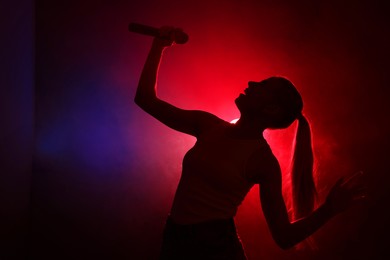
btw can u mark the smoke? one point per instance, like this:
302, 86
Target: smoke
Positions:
108, 171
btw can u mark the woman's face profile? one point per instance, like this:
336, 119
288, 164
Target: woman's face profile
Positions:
255, 97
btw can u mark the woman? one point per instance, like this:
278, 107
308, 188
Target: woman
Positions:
228, 159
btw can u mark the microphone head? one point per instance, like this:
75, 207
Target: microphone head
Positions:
180, 37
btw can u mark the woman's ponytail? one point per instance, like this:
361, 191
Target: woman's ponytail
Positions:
304, 192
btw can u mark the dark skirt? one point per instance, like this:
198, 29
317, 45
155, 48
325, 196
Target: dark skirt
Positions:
211, 240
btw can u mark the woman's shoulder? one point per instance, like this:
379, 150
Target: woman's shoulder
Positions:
210, 122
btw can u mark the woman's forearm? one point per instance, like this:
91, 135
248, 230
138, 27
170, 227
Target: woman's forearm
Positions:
146, 90
305, 227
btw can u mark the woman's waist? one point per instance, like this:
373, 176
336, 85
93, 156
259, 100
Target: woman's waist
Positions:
201, 225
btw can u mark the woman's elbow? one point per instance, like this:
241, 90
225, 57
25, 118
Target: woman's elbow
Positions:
141, 101
145, 99
285, 245
138, 100
284, 242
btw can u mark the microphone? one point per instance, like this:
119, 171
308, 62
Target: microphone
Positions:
178, 36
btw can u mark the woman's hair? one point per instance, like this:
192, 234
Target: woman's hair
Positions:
290, 104
304, 192
288, 100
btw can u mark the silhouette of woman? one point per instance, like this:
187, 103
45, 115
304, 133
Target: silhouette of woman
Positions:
227, 160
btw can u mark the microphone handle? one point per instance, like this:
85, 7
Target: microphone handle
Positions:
180, 37
144, 29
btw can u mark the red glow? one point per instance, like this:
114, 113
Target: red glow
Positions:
112, 159
234, 121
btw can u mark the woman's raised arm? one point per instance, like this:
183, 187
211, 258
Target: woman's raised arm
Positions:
186, 121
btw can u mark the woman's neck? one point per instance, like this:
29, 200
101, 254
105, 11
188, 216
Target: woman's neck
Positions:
245, 129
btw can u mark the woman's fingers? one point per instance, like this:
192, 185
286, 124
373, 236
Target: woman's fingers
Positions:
353, 178
339, 183
359, 193
355, 187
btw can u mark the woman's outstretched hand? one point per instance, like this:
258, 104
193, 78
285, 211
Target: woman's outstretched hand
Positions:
167, 36
346, 192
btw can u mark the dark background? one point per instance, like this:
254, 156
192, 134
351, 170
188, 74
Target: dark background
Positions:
85, 174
